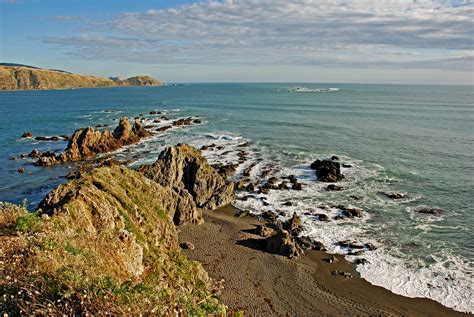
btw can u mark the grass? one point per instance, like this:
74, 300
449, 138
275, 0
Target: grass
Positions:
110, 249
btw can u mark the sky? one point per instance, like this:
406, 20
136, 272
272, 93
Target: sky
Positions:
332, 41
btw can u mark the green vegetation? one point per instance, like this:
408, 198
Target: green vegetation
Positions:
108, 246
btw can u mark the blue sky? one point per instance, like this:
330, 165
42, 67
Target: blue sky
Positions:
390, 41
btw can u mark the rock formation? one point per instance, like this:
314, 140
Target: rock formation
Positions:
103, 242
88, 142
117, 184
183, 168
28, 78
327, 170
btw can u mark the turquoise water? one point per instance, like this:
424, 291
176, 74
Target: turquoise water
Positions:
412, 139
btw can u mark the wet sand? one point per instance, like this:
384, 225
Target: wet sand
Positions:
263, 284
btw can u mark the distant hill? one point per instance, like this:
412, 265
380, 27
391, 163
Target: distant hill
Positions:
25, 77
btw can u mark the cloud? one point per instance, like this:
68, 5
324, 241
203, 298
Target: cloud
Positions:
330, 33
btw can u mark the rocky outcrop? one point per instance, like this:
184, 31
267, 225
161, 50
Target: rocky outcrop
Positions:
99, 242
283, 243
88, 142
29, 78
327, 170
117, 185
183, 168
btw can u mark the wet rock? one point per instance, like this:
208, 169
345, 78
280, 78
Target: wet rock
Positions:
327, 170
283, 185
292, 179
183, 121
353, 197
288, 204
246, 144
197, 121
162, 129
264, 190
334, 158
333, 188
269, 216
307, 243
183, 167
21, 170
34, 154
429, 210
227, 170
361, 261
272, 180
297, 186
345, 165
250, 187
350, 212
322, 217
27, 135
248, 170
157, 121
394, 195
241, 184
187, 246
283, 243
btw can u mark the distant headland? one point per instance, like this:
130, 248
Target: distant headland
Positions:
24, 77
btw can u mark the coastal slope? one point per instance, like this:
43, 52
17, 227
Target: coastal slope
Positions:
24, 77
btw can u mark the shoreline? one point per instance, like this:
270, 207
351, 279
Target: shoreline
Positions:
265, 284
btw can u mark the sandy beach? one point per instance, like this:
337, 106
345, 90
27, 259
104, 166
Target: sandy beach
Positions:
263, 284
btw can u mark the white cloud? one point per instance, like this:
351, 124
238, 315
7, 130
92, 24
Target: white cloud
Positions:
332, 33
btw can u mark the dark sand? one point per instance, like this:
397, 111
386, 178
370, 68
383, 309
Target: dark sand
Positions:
263, 284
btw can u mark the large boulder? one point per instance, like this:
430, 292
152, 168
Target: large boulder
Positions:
183, 167
283, 243
327, 170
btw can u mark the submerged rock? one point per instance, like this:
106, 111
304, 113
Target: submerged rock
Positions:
394, 195
27, 135
429, 210
327, 170
183, 168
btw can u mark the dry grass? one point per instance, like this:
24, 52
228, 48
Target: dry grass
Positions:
110, 251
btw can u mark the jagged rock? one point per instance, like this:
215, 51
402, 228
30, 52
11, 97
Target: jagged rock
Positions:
184, 168
183, 121
34, 154
394, 195
429, 210
27, 135
350, 212
119, 182
283, 243
297, 186
333, 187
327, 170
293, 225
307, 243
264, 231
227, 170
269, 216
86, 143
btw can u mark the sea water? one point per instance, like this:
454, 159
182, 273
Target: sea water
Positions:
416, 140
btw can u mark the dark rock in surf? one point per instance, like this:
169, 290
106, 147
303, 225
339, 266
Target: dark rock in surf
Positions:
327, 171
333, 188
27, 135
429, 210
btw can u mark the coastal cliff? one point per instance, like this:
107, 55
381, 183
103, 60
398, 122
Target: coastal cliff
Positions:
32, 78
103, 243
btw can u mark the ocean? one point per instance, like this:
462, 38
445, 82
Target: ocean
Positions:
411, 139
